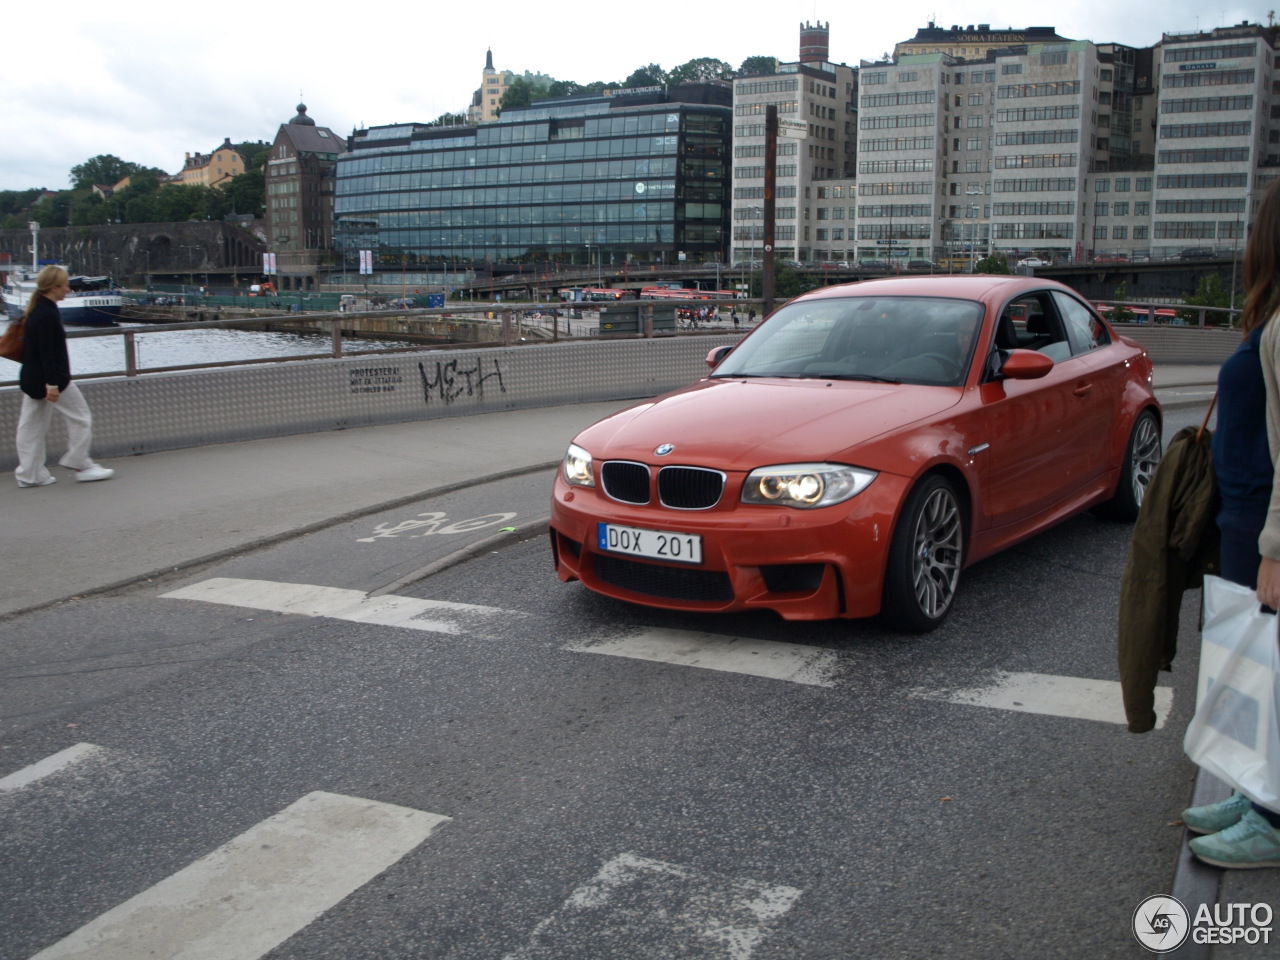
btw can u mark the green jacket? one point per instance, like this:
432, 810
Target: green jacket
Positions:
1175, 543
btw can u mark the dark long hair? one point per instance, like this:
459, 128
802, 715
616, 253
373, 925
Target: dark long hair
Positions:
1262, 263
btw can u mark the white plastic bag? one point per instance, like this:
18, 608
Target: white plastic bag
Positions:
1235, 734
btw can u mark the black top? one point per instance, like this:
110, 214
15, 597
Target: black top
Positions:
1241, 456
44, 351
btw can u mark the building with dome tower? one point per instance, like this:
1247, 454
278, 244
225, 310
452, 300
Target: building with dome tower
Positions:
486, 102
299, 210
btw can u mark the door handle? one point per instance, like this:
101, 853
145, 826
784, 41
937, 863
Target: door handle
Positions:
1083, 390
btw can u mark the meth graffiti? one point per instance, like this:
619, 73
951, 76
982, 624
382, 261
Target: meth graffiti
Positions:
452, 380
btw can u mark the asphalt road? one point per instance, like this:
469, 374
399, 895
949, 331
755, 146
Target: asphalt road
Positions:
853, 793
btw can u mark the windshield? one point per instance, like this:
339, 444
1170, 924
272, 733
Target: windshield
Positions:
927, 340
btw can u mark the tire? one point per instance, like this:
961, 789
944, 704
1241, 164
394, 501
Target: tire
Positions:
925, 558
1141, 458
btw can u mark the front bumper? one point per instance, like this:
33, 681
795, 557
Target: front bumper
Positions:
802, 564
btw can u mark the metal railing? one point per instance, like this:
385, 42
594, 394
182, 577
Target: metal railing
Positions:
514, 324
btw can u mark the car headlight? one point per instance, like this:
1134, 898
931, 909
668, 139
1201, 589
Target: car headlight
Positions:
577, 467
805, 484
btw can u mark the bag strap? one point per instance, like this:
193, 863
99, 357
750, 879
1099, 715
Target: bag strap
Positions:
1207, 414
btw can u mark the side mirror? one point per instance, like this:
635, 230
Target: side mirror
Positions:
716, 355
1025, 365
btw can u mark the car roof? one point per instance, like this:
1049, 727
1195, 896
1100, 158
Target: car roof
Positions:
970, 286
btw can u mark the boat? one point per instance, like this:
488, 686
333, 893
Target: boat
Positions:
92, 301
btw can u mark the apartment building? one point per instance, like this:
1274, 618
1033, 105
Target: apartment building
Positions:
814, 174
1216, 136
1066, 148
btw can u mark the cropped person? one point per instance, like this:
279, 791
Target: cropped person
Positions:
46, 385
1246, 446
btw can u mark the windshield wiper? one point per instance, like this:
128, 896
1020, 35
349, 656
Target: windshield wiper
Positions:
868, 377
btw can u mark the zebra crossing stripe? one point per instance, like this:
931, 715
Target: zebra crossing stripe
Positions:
1073, 697
48, 766
635, 908
435, 616
253, 893
795, 662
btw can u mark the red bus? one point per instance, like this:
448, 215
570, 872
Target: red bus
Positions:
673, 293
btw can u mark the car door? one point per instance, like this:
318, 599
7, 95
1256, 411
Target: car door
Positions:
1038, 452
1107, 377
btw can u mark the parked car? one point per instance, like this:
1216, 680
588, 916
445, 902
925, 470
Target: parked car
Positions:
1032, 262
1196, 253
853, 454
873, 264
926, 265
1111, 258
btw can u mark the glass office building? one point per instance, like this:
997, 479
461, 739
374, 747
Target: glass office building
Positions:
639, 176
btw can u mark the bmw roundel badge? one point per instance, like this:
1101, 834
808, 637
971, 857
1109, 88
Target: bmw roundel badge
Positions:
664, 449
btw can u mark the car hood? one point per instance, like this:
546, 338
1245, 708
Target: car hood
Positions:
741, 424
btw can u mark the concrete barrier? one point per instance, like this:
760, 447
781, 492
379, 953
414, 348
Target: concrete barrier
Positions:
166, 411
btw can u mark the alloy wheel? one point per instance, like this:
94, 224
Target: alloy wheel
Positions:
938, 547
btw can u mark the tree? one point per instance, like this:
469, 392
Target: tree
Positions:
563, 88
88, 209
1210, 292
700, 70
255, 153
102, 169
758, 66
247, 193
448, 120
53, 211
1119, 314
995, 263
519, 93
651, 76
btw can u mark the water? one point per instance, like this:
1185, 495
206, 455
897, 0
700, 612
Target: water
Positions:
174, 348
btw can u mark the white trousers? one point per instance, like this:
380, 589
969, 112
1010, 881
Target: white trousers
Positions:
33, 427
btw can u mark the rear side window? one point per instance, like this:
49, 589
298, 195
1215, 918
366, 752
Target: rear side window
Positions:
1084, 329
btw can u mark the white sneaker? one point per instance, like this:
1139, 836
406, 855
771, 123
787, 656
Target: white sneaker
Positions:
94, 472
39, 483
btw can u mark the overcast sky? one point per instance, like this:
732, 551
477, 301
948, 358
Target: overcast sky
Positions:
150, 81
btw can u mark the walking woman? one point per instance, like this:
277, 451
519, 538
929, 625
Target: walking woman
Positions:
46, 384
1246, 444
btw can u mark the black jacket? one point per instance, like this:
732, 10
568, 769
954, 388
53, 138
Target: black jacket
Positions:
44, 351
1175, 543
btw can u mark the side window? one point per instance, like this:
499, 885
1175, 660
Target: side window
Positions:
1035, 326
1084, 329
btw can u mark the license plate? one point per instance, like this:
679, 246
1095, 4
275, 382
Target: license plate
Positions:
654, 544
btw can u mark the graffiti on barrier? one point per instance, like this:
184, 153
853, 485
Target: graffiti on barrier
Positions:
452, 379
427, 524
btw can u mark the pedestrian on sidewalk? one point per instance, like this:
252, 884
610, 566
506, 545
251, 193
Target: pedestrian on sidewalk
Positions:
46, 385
1239, 832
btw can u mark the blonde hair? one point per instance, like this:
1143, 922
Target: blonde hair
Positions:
49, 277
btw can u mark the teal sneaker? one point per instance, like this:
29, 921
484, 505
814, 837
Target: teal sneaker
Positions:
1217, 816
1250, 844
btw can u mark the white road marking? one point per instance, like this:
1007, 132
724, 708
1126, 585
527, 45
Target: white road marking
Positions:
252, 894
49, 765
641, 908
1072, 697
758, 658
435, 616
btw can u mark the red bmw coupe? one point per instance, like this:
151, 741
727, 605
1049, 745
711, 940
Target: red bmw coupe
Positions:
859, 449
